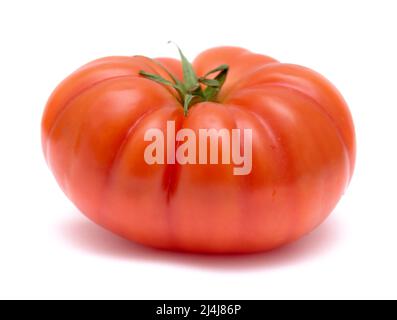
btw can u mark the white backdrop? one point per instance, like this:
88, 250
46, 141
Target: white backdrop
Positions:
49, 250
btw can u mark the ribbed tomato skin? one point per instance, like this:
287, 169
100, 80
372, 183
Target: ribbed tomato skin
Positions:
303, 152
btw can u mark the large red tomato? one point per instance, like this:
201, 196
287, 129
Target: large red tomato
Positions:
303, 149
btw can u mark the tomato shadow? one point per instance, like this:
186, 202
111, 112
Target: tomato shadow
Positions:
84, 235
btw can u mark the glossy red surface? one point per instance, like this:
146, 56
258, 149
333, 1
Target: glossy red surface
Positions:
303, 152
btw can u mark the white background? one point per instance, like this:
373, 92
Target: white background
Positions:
49, 250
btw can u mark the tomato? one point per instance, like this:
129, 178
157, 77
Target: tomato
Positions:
303, 149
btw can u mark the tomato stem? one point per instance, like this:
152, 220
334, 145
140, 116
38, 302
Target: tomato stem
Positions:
192, 89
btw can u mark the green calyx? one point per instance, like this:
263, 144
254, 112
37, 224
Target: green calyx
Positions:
192, 89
